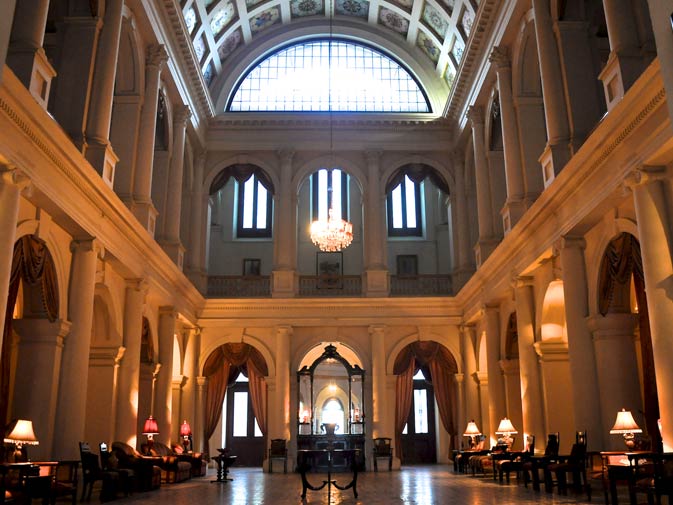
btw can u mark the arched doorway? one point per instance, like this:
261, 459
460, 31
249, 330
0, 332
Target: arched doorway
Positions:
434, 386
237, 390
621, 290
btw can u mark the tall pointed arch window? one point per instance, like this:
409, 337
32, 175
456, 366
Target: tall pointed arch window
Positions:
254, 209
329, 190
329, 75
404, 209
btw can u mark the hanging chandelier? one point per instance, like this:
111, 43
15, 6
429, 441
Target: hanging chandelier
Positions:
332, 234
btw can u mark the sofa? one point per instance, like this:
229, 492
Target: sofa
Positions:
198, 460
147, 469
173, 467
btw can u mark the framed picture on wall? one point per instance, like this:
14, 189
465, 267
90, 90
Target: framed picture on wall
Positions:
252, 267
329, 269
407, 265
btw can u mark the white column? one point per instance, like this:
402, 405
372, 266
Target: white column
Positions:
25, 56
129, 372
143, 208
163, 397
284, 274
71, 411
583, 377
529, 371
40, 350
487, 240
99, 151
377, 334
557, 153
283, 336
377, 281
510, 371
464, 269
459, 414
472, 408
481, 379
171, 236
616, 369
199, 420
515, 205
6, 18
11, 182
653, 213
190, 370
497, 405
195, 252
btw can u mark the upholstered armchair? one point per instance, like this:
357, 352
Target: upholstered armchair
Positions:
198, 460
146, 468
173, 468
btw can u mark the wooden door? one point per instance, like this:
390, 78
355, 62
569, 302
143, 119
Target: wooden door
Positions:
243, 437
419, 439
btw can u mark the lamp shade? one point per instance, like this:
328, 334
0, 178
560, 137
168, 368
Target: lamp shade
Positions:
471, 429
151, 427
625, 423
506, 427
22, 433
185, 429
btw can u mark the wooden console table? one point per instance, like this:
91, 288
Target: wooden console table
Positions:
306, 459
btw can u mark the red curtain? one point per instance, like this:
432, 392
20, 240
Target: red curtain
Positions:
222, 367
32, 262
404, 388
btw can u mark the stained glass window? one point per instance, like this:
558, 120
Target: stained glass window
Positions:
321, 75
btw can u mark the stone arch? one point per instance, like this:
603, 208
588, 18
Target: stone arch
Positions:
310, 351
105, 330
553, 321
304, 171
129, 79
493, 123
443, 170
218, 165
511, 338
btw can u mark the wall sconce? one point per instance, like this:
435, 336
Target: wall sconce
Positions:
185, 433
506, 429
472, 432
150, 429
20, 434
626, 425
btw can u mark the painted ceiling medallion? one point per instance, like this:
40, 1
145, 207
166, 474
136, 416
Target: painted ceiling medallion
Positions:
393, 21
404, 4
222, 18
264, 19
230, 44
426, 43
435, 20
359, 8
300, 8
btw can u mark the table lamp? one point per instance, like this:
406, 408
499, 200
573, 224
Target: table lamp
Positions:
506, 429
626, 425
185, 433
472, 432
150, 429
20, 434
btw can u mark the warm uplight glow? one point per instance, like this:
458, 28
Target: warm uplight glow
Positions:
553, 313
332, 388
333, 234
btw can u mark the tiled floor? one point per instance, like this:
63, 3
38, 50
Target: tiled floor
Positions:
422, 485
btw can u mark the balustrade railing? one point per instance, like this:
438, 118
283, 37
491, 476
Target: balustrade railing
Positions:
330, 285
420, 285
239, 286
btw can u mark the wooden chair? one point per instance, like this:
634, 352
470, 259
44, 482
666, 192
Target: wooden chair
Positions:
574, 463
278, 450
65, 481
515, 460
537, 463
92, 472
382, 449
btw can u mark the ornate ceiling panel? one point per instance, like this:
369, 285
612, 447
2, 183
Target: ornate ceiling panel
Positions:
436, 30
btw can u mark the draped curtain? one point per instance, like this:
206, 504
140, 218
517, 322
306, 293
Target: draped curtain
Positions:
442, 367
241, 172
222, 368
417, 172
33, 263
621, 260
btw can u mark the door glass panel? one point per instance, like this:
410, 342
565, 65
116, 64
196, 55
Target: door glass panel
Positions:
258, 432
240, 414
420, 411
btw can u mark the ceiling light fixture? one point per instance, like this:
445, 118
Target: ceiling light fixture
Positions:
331, 233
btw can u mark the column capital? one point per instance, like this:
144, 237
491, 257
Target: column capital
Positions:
509, 366
500, 58
647, 174
377, 328
285, 329
489, 308
201, 381
475, 114
522, 281
481, 378
120, 355
87, 245
156, 55
139, 284
373, 156
168, 310
9, 174
285, 155
459, 377
569, 242
181, 115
